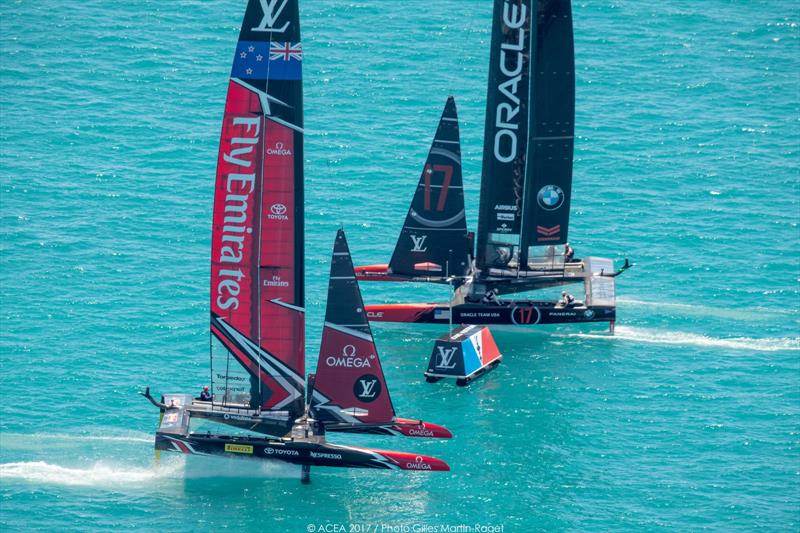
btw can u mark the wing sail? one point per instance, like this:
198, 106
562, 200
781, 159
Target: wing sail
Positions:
548, 189
434, 236
528, 140
505, 144
257, 289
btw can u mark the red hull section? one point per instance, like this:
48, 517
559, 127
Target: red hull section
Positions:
399, 312
410, 461
418, 428
376, 273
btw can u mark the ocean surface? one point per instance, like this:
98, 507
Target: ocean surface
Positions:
688, 124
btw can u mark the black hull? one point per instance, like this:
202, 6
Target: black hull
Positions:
517, 313
302, 453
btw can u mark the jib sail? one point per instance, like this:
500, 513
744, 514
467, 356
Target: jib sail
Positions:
433, 240
350, 386
527, 158
257, 239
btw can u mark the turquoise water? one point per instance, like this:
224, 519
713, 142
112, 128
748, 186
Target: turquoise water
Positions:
686, 162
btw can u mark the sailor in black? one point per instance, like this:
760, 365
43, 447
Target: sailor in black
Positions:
205, 396
569, 253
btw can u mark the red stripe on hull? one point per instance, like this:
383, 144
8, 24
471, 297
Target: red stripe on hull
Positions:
418, 428
397, 312
375, 273
410, 461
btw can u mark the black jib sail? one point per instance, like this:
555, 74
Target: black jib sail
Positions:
433, 240
527, 157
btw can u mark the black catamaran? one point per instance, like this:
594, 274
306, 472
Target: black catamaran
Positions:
526, 188
257, 289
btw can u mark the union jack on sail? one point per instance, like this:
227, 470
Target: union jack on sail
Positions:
285, 51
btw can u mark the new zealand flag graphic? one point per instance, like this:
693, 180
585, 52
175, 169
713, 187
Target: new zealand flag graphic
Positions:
256, 60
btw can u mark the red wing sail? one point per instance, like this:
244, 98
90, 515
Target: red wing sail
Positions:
350, 386
257, 240
434, 234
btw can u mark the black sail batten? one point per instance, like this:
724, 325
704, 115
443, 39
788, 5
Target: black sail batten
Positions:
548, 186
505, 143
434, 240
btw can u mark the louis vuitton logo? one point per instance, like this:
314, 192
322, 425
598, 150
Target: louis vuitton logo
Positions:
272, 11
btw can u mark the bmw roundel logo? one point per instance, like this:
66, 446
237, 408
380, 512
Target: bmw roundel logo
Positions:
550, 197
589, 313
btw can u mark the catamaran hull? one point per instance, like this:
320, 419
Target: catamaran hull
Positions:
502, 281
401, 426
297, 452
277, 426
519, 313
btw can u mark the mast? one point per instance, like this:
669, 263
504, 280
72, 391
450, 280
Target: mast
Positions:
505, 142
548, 183
257, 285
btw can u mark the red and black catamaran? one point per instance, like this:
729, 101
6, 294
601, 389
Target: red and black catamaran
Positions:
257, 296
526, 188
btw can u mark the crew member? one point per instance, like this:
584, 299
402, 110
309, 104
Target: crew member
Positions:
569, 253
490, 298
205, 395
567, 300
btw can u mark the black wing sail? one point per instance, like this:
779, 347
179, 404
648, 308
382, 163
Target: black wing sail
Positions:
433, 240
548, 184
505, 144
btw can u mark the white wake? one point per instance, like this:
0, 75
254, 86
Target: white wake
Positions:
98, 475
30, 441
749, 314
654, 336
103, 474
